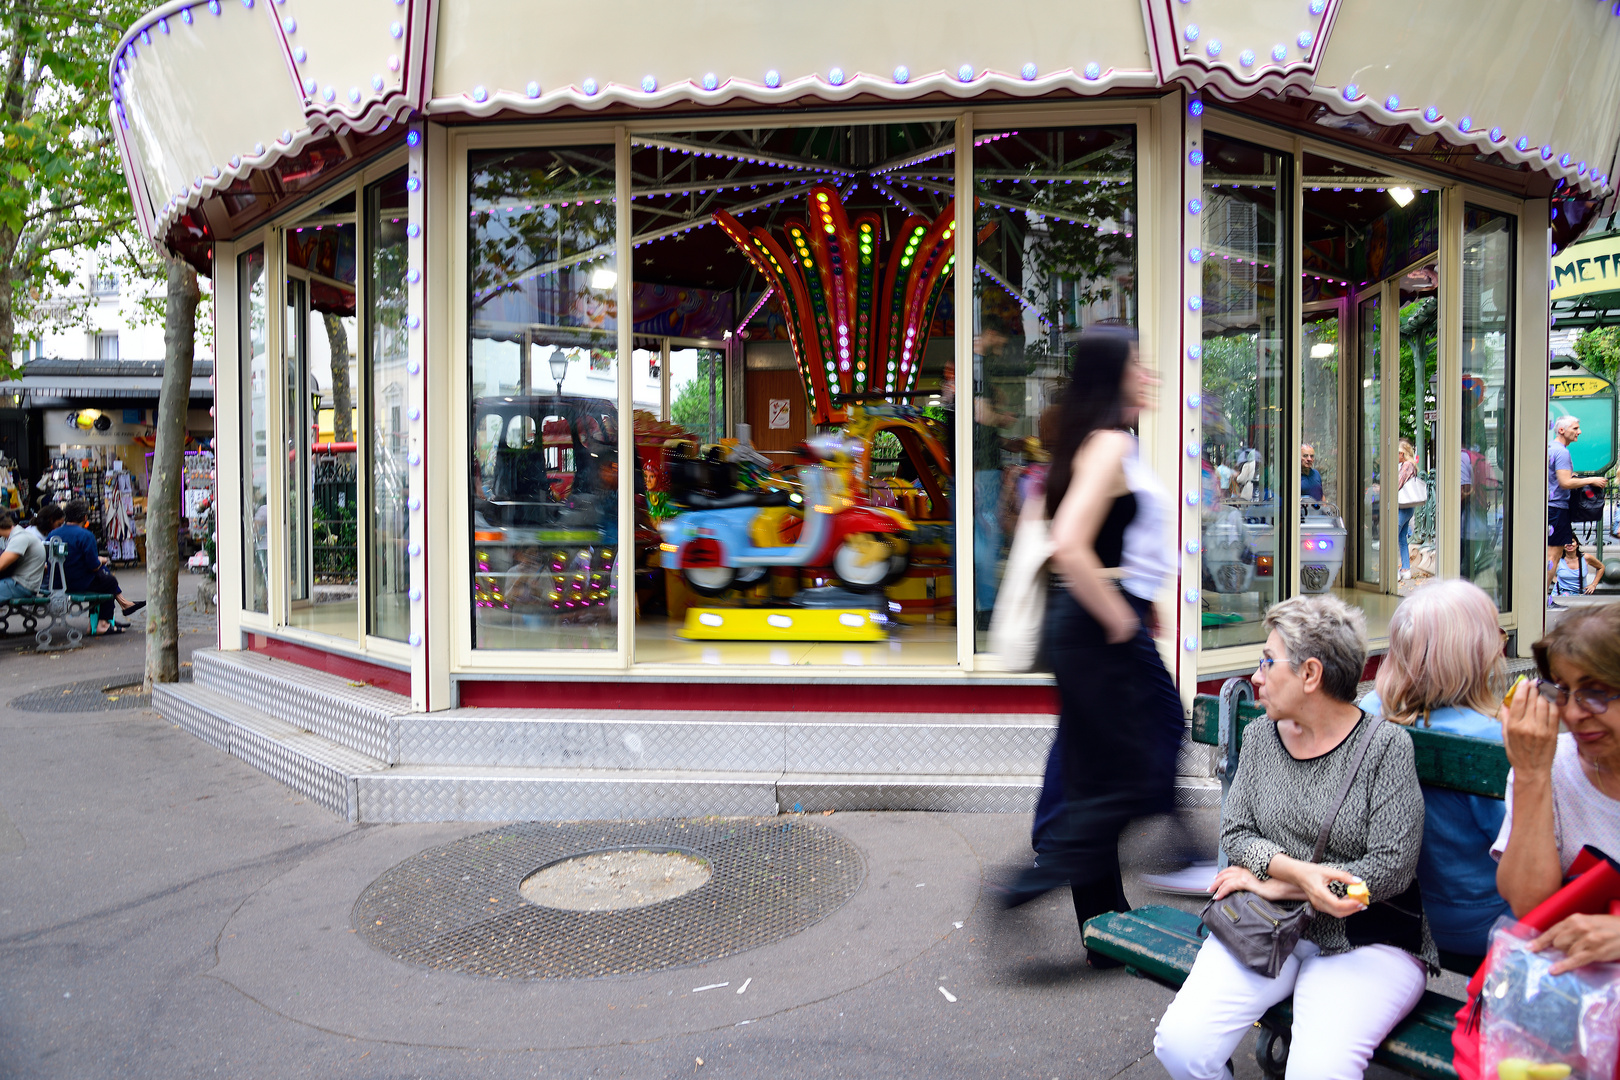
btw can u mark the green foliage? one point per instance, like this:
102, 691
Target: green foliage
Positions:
61, 183
690, 408
1598, 350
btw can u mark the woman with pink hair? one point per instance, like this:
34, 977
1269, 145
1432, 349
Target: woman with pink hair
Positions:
1444, 670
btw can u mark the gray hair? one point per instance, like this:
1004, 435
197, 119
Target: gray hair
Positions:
1326, 629
1564, 422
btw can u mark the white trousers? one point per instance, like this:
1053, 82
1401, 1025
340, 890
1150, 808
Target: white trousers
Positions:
1344, 1006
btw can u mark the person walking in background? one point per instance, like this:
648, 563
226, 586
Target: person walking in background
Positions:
1403, 537
1445, 671
1120, 722
1357, 969
1567, 576
85, 566
1561, 480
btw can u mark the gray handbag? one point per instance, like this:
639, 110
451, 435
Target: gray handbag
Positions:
1259, 933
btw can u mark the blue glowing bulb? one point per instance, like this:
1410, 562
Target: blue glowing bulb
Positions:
1195, 157
412, 138
533, 89
1193, 401
1093, 70
589, 86
902, 74
1305, 38
1431, 114
773, 78
1213, 48
1195, 108
649, 83
965, 73
1028, 72
1195, 256
1189, 643
1351, 92
710, 81
1246, 58
1279, 53
1392, 103
836, 76
1194, 352
480, 94
1195, 206
1191, 32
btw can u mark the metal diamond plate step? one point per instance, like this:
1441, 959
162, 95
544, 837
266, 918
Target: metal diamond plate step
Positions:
461, 794
317, 767
353, 714
953, 794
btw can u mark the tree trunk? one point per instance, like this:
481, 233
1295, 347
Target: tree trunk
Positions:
337, 340
168, 476
8, 306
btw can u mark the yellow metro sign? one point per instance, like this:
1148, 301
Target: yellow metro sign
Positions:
1564, 386
1590, 267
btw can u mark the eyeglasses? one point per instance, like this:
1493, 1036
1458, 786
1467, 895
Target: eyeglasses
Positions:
1266, 662
1593, 701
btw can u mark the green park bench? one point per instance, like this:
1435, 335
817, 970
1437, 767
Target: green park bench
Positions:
56, 602
1160, 942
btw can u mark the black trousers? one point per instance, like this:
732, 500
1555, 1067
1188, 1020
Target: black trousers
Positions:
1119, 732
104, 582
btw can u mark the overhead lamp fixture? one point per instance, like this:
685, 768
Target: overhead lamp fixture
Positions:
1323, 349
1401, 195
604, 278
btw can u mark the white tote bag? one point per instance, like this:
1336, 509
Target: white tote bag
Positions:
1015, 627
1412, 493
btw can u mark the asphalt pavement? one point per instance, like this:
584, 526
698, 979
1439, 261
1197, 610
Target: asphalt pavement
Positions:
167, 911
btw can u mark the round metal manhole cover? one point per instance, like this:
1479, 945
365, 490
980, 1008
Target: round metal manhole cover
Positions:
461, 907
92, 695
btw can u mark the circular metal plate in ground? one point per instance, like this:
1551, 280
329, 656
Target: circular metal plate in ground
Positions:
92, 695
615, 880
459, 907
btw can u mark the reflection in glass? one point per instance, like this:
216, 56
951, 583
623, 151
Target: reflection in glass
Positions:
543, 369
1245, 358
1369, 549
322, 371
1487, 418
697, 392
1419, 291
1055, 253
389, 573
252, 287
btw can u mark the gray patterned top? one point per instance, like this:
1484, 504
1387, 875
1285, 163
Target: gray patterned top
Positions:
1277, 804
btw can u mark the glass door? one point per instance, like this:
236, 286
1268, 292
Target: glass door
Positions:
1369, 427
295, 423
1419, 336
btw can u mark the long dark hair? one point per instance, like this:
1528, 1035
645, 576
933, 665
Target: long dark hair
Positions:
1092, 402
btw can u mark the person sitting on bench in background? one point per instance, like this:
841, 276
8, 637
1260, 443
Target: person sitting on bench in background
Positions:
85, 566
1357, 970
1445, 671
1564, 790
22, 563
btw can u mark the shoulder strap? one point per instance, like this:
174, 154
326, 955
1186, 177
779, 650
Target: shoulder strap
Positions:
1344, 788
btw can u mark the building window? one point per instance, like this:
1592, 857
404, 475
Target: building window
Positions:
543, 374
104, 285
107, 346
1055, 252
1487, 402
389, 573
253, 297
1245, 365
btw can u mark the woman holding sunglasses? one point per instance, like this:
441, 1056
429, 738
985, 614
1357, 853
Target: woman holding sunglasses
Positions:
1564, 790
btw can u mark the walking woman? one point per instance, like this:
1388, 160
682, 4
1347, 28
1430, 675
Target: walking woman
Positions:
1120, 725
1408, 469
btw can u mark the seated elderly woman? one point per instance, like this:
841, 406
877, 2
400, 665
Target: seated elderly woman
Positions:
1445, 671
1358, 969
1564, 790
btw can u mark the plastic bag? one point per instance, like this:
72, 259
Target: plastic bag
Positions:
1536, 1022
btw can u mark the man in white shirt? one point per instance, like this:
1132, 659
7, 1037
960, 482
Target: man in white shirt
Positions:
22, 563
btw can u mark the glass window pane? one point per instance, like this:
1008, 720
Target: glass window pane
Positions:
322, 373
1369, 552
544, 389
1055, 253
1487, 416
697, 392
389, 572
1244, 363
252, 288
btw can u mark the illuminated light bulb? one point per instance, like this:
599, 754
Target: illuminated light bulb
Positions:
1191, 32
773, 78
1194, 206
1189, 643
1192, 401
902, 74
589, 86
1351, 92
1213, 48
1304, 40
1195, 108
1192, 498
1195, 256
532, 90
1496, 134
965, 73
1028, 72
1093, 71
1194, 352
1192, 547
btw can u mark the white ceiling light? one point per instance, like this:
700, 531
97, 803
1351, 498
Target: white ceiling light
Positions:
1401, 195
1323, 349
604, 278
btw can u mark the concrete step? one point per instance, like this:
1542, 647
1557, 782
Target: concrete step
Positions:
311, 764
352, 714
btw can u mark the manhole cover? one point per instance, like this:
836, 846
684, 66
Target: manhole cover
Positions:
461, 907
615, 880
92, 695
